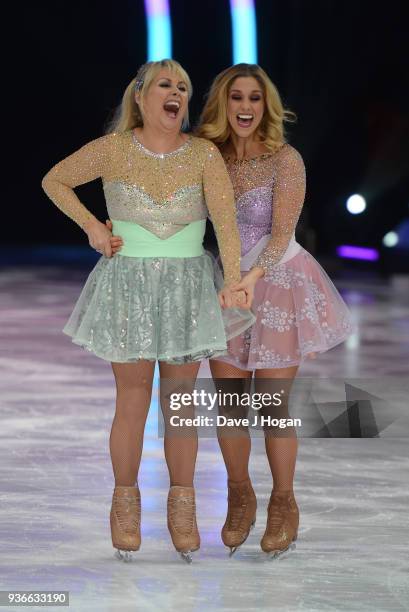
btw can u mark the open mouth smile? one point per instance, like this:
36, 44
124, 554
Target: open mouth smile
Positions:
171, 108
245, 120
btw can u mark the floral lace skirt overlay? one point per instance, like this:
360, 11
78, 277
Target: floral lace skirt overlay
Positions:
299, 313
135, 308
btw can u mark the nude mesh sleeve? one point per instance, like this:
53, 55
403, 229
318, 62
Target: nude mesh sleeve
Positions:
288, 200
82, 166
219, 196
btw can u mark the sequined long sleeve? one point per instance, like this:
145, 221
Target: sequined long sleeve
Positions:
219, 196
288, 199
83, 166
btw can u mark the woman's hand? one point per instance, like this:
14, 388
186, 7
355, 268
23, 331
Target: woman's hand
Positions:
225, 298
246, 287
99, 236
230, 299
240, 299
116, 241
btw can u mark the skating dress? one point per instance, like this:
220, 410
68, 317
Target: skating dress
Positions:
157, 297
299, 311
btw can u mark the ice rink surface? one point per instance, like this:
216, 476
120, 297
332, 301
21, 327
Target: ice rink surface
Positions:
57, 406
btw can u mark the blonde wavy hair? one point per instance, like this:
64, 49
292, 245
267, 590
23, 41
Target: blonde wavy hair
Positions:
213, 123
129, 114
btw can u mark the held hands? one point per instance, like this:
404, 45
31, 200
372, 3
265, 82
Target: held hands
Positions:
240, 295
230, 299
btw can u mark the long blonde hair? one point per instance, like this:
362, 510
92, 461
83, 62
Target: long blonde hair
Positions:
213, 122
129, 114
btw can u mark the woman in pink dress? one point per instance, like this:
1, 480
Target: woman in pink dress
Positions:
299, 311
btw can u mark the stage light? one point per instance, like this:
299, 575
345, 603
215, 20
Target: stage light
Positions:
390, 239
355, 252
356, 204
243, 19
159, 29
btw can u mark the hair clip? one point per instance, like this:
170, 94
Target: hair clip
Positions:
138, 84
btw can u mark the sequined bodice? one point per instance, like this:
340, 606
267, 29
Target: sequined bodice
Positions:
269, 192
162, 218
254, 216
156, 193
161, 192
253, 181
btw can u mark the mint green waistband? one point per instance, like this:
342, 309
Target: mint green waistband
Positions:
140, 242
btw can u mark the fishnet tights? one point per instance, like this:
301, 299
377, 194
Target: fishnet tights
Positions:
235, 443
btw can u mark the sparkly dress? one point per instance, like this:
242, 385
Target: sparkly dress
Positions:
299, 311
163, 308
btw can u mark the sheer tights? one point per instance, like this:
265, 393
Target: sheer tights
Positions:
134, 392
281, 444
180, 442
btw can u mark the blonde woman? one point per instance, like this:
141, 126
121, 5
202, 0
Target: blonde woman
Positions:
299, 311
152, 294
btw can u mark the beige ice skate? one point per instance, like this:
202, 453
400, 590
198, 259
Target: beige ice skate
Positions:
282, 524
241, 514
182, 521
125, 519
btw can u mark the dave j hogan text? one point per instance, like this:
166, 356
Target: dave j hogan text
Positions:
222, 421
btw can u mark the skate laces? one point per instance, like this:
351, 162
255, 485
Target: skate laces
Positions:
128, 513
182, 513
237, 505
277, 512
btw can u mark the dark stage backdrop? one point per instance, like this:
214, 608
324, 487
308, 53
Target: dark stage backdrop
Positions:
341, 66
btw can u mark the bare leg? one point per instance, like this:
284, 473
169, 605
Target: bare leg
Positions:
180, 443
134, 391
281, 444
235, 442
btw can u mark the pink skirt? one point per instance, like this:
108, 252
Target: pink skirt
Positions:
299, 314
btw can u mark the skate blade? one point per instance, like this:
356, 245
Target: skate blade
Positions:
233, 549
124, 555
186, 556
279, 554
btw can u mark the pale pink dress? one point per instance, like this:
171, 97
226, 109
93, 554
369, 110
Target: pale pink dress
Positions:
299, 311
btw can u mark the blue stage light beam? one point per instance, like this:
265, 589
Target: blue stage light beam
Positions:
243, 19
159, 29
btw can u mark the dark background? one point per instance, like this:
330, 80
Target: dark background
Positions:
342, 67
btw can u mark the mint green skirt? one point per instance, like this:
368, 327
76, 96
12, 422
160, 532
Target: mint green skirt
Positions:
155, 308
